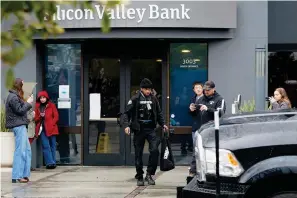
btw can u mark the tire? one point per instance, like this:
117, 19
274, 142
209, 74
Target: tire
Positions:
285, 195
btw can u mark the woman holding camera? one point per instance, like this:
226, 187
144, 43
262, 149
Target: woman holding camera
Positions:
16, 119
280, 100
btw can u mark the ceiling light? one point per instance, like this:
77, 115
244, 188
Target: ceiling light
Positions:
185, 51
159, 60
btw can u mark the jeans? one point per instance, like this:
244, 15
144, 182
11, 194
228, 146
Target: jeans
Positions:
22, 154
48, 148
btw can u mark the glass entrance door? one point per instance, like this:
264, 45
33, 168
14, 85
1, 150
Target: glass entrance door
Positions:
114, 69
140, 68
104, 139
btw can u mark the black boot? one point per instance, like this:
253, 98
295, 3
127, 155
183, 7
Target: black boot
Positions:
149, 179
140, 181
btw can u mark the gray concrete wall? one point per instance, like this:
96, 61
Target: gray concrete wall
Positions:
28, 71
282, 22
232, 62
25, 69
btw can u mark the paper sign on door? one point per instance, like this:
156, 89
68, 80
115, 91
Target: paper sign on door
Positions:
63, 91
95, 106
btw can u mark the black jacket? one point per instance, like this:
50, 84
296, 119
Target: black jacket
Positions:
16, 110
195, 123
131, 113
212, 102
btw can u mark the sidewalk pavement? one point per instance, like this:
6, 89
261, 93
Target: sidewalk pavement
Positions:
92, 182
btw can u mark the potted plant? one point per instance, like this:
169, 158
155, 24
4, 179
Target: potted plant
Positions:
248, 106
7, 142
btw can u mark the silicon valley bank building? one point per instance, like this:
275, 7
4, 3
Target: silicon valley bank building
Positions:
173, 43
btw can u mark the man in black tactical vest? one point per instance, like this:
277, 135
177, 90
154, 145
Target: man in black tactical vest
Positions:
142, 114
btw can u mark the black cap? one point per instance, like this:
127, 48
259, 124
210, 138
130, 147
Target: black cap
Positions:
209, 85
146, 83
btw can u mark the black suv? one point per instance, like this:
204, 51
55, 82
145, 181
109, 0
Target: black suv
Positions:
258, 157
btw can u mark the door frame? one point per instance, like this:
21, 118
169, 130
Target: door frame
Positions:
124, 157
130, 157
102, 159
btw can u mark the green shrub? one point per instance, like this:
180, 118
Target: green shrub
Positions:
3, 121
248, 106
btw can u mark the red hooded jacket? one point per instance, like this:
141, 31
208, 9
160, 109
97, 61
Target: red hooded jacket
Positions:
51, 116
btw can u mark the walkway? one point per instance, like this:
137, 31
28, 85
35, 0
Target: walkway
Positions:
91, 182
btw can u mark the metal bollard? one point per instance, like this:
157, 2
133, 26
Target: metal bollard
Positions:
217, 127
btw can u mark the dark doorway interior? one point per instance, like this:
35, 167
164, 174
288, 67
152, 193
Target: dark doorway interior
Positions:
282, 70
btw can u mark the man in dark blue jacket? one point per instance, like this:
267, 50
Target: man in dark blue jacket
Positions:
198, 92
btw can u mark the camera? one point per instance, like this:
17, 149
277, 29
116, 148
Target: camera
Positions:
267, 98
198, 106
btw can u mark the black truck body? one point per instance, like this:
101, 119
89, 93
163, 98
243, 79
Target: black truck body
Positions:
258, 157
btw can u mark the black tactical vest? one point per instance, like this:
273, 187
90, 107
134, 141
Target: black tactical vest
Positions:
145, 109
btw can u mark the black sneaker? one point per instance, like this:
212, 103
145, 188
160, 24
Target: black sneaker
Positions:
51, 166
140, 181
149, 180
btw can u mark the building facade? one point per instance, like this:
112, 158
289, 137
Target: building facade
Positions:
226, 42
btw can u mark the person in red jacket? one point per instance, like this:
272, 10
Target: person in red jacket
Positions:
46, 120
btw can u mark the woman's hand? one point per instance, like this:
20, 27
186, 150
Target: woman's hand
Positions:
272, 100
30, 99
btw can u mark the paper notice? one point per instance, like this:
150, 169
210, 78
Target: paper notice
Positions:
63, 91
64, 103
95, 106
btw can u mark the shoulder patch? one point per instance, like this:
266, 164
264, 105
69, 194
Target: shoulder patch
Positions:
130, 102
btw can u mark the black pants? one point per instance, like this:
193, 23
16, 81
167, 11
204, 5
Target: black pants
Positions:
150, 135
187, 138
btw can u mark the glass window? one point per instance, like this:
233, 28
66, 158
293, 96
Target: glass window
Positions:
282, 70
104, 79
188, 63
63, 67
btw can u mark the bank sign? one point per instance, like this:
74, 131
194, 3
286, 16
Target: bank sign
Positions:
122, 12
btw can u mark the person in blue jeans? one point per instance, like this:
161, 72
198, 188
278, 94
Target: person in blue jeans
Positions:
46, 119
16, 108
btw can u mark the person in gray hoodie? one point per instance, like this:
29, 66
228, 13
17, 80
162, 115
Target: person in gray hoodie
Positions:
16, 109
280, 100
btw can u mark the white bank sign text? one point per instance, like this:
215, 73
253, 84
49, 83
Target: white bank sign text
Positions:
153, 12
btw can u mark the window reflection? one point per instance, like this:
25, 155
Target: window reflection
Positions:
104, 79
63, 67
188, 63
